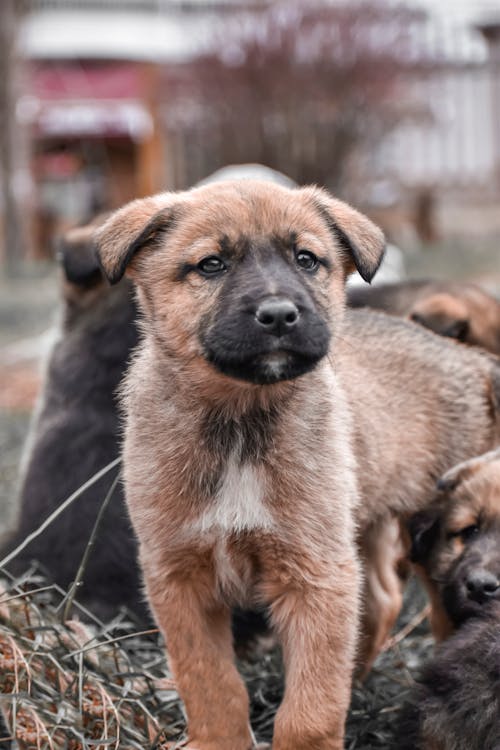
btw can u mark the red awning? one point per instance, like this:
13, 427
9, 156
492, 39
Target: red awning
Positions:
87, 100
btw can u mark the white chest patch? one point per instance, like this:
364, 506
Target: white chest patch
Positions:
239, 503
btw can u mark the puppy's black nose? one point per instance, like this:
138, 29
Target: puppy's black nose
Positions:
482, 585
277, 315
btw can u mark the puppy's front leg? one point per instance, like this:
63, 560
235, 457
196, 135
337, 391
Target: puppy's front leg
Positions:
197, 629
316, 618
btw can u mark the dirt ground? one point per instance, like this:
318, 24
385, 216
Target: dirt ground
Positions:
28, 312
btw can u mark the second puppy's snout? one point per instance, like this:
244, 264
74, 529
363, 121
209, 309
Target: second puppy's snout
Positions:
277, 315
482, 585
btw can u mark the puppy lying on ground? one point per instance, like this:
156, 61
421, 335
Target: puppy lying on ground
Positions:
75, 434
263, 426
457, 703
450, 308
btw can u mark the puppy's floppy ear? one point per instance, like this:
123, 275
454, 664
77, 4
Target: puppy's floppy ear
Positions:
465, 470
423, 528
131, 229
76, 254
443, 314
359, 237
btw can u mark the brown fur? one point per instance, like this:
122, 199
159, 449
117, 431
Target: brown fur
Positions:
248, 493
450, 308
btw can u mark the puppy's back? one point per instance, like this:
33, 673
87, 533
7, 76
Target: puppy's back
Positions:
395, 298
421, 404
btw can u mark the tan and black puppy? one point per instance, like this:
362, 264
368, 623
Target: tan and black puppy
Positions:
454, 309
456, 703
265, 430
456, 543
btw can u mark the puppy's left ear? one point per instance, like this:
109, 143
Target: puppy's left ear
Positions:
362, 240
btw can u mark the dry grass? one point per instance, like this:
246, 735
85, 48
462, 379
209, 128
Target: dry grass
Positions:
74, 685
79, 685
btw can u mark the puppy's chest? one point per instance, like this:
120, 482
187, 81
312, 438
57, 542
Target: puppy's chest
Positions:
238, 509
238, 503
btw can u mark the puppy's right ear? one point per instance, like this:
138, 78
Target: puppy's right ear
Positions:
423, 528
130, 229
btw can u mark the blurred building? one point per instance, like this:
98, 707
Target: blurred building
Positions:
96, 103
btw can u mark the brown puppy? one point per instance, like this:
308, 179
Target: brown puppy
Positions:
251, 402
450, 308
456, 543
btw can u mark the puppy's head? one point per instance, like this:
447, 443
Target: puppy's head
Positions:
458, 542
461, 311
444, 314
244, 276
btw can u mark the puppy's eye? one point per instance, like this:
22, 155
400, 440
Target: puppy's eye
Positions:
306, 260
469, 532
466, 533
212, 265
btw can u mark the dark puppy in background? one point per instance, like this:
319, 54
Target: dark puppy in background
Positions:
454, 309
456, 705
75, 433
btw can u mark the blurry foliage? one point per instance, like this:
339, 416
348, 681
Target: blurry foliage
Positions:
300, 87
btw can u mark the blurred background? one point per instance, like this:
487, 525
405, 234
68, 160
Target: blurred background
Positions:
393, 106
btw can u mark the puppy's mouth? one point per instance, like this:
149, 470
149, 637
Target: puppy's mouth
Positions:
264, 368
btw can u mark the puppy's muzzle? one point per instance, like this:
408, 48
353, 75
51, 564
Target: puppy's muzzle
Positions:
482, 586
277, 315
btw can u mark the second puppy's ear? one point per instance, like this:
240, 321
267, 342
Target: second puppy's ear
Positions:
76, 254
423, 528
131, 229
362, 240
465, 470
